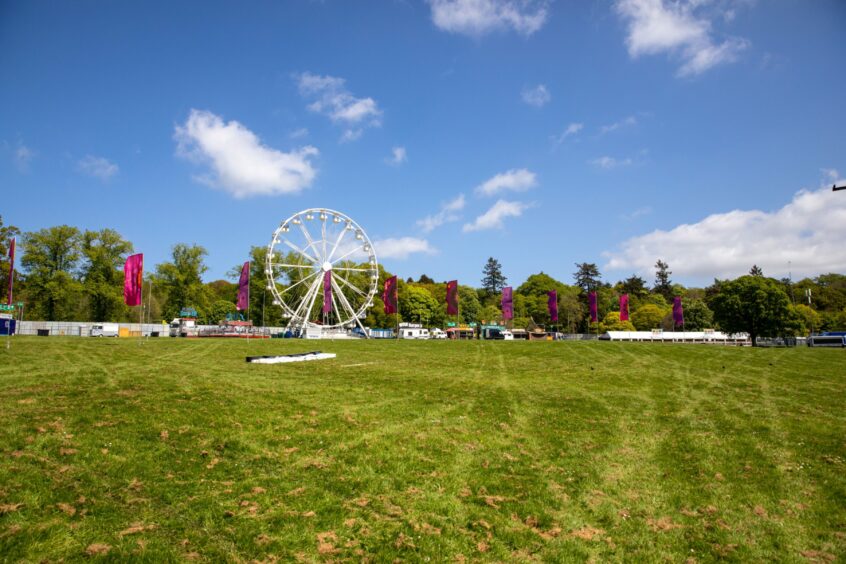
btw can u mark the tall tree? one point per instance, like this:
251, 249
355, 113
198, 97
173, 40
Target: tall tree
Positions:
104, 253
417, 304
182, 279
756, 271
51, 261
663, 284
754, 305
493, 280
634, 286
587, 276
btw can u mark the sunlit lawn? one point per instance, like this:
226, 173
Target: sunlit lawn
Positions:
176, 449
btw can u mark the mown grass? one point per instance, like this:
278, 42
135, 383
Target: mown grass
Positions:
434, 451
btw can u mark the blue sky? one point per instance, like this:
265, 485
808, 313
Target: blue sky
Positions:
541, 133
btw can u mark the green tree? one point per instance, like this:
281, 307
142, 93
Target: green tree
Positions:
51, 262
663, 285
417, 305
611, 322
182, 280
587, 276
811, 320
648, 317
634, 286
754, 305
469, 306
104, 253
697, 315
216, 312
493, 280
756, 271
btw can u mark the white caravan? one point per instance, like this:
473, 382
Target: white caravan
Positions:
104, 330
413, 331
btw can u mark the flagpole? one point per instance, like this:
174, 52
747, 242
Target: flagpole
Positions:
249, 276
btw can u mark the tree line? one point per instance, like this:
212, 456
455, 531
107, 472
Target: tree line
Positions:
68, 274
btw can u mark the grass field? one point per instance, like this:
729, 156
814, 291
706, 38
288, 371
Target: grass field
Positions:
436, 451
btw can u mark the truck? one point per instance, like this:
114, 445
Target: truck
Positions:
182, 327
105, 330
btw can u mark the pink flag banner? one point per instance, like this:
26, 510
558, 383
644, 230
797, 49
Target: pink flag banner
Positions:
389, 295
594, 317
327, 291
244, 288
507, 303
678, 311
552, 304
133, 274
11, 269
452, 297
624, 307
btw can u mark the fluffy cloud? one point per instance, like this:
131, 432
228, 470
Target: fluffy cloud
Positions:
538, 96
478, 17
607, 162
98, 167
515, 180
627, 122
402, 247
332, 99
448, 213
493, 218
572, 129
808, 232
656, 26
398, 156
240, 163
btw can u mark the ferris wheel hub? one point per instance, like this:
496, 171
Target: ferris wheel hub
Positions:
327, 266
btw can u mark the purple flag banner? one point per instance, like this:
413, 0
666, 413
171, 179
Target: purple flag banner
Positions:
507, 303
133, 273
452, 297
624, 307
11, 269
389, 295
594, 317
552, 304
327, 291
244, 288
678, 311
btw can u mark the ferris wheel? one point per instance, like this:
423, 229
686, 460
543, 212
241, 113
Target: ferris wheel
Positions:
321, 269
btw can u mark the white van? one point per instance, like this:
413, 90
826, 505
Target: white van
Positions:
438, 333
104, 330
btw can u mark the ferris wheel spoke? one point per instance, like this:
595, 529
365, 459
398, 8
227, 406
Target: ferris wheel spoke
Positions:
300, 281
323, 233
302, 252
311, 290
353, 288
337, 242
344, 300
282, 265
335, 309
313, 300
305, 231
356, 249
352, 269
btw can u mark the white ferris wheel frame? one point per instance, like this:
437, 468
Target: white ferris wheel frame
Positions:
299, 314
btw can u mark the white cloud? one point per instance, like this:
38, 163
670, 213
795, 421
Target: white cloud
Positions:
100, 167
23, 156
332, 99
607, 162
447, 214
638, 212
478, 17
808, 233
657, 26
299, 133
402, 247
240, 163
571, 129
515, 180
398, 156
493, 218
538, 96
626, 122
